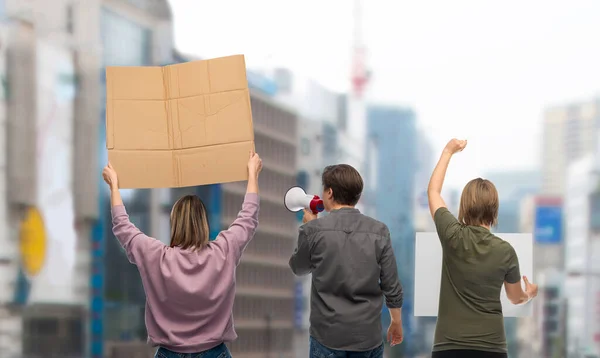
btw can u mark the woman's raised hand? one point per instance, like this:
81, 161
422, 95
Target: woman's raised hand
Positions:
455, 145
110, 177
254, 165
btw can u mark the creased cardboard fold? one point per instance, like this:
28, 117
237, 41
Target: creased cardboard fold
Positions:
179, 125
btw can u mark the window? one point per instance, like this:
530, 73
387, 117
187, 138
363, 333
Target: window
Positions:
57, 334
305, 146
550, 311
552, 293
551, 326
70, 18
302, 179
125, 42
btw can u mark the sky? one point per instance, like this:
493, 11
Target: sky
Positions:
477, 70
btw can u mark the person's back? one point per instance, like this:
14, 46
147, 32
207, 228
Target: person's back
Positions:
476, 264
190, 283
353, 268
189, 293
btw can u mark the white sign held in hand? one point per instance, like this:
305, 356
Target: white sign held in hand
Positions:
428, 273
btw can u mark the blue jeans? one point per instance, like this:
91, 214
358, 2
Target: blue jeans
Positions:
317, 350
219, 351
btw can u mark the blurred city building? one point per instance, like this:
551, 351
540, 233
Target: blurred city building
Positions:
569, 157
423, 222
569, 133
317, 147
53, 61
582, 268
104, 296
353, 126
543, 334
265, 298
395, 133
425, 164
512, 186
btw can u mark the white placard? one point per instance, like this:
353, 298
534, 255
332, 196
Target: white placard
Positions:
428, 273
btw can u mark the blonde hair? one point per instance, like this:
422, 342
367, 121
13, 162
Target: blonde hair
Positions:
189, 223
479, 203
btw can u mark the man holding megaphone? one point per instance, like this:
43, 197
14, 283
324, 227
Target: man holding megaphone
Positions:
353, 268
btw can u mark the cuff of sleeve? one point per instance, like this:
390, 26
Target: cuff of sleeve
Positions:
394, 304
252, 198
511, 280
118, 210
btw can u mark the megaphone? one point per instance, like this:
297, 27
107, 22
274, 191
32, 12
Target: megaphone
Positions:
296, 199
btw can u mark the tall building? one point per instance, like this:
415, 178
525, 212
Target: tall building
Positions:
543, 334
512, 186
569, 133
425, 164
84, 272
423, 221
264, 305
394, 131
132, 34
317, 147
54, 63
353, 132
570, 136
582, 247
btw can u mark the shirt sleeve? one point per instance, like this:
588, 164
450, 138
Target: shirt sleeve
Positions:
446, 224
243, 228
136, 244
390, 283
300, 262
513, 271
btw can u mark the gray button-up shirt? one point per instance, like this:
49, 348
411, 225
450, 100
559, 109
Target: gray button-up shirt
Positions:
353, 268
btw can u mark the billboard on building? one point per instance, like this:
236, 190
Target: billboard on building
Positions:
548, 221
48, 235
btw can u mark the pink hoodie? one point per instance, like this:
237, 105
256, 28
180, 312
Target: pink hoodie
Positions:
189, 294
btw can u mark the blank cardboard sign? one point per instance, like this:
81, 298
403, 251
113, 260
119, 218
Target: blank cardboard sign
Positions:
179, 125
428, 273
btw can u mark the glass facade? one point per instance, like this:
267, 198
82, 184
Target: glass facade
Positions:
396, 133
117, 294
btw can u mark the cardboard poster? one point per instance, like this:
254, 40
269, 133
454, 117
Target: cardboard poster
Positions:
179, 125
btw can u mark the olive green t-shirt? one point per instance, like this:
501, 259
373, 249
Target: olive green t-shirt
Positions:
475, 265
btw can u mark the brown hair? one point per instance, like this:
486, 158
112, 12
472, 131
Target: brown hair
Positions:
479, 203
345, 182
189, 223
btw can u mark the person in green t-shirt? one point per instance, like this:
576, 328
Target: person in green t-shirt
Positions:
476, 264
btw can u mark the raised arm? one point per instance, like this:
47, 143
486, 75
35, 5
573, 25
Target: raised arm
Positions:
244, 226
135, 242
434, 190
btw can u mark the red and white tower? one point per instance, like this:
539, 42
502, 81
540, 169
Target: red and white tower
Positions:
360, 72
356, 125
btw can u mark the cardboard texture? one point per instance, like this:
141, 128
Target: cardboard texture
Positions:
179, 125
